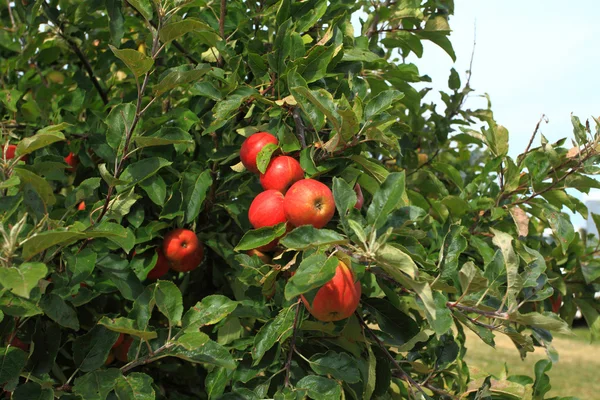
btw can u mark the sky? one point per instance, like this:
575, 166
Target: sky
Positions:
532, 57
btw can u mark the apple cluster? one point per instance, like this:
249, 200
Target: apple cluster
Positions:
291, 199
181, 251
287, 197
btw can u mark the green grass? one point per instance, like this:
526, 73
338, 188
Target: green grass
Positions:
575, 374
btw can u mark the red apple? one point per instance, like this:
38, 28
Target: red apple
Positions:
119, 341
73, 161
160, 268
121, 351
360, 199
556, 303
267, 210
262, 256
281, 173
252, 146
81, 206
109, 359
309, 202
183, 250
10, 153
18, 343
338, 298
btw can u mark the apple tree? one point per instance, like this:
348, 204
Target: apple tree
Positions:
344, 255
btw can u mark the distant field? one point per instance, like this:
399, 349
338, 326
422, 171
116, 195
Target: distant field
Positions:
576, 373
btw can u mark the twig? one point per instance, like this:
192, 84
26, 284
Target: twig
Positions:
300, 128
12, 19
146, 359
535, 131
373, 27
288, 363
404, 375
222, 13
490, 314
429, 161
439, 391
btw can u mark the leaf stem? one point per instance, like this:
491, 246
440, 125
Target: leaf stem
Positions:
288, 363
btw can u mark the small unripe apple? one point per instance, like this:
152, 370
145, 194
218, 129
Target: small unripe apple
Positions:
160, 268
309, 202
282, 172
73, 162
262, 256
81, 206
121, 351
267, 210
423, 158
338, 298
360, 199
119, 341
252, 146
183, 250
56, 77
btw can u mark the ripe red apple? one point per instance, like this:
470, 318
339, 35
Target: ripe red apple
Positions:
73, 161
338, 298
160, 268
267, 210
556, 303
360, 199
252, 146
121, 351
281, 173
183, 250
309, 202
18, 343
109, 359
119, 341
81, 206
10, 153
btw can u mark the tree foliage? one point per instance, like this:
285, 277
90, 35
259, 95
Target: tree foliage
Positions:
154, 98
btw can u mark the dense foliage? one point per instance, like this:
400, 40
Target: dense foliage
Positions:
150, 101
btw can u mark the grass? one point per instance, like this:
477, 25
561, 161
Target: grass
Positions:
575, 374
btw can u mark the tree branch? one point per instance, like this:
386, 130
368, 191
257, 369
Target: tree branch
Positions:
490, 314
300, 128
222, 13
288, 363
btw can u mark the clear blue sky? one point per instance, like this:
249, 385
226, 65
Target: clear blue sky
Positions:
532, 57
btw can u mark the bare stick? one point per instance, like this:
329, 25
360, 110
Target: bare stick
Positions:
288, 363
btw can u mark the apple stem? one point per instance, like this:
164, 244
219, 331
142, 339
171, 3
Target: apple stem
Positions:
403, 374
288, 363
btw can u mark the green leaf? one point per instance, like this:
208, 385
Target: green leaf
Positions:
320, 388
562, 228
392, 257
356, 54
23, 279
143, 6
275, 331
375, 170
371, 381
340, 366
381, 102
59, 311
308, 236
97, 384
116, 20
32, 390
156, 189
137, 62
313, 272
178, 78
175, 30
344, 196
314, 66
116, 233
109, 178
453, 246
471, 279
322, 100
282, 46
143, 169
308, 13
208, 353
440, 38
542, 381
12, 361
135, 386
166, 136
592, 317
260, 237
209, 311
90, 350
513, 279
169, 301
387, 199
192, 340
40, 140
118, 121
127, 326
41, 185
547, 320
195, 187
263, 158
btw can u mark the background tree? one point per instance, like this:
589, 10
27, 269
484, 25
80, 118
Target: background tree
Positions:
128, 118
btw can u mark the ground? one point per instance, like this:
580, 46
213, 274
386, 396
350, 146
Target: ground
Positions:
576, 373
